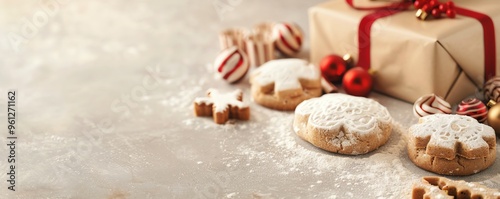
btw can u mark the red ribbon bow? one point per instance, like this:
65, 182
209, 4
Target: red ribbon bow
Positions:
364, 32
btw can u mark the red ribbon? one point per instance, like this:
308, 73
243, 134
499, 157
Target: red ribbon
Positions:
489, 40
364, 33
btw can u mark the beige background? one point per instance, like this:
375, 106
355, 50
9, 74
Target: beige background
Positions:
105, 90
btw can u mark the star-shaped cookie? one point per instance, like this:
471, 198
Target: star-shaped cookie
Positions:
222, 106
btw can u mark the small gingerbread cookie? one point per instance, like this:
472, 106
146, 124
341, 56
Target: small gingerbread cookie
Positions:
222, 106
434, 187
283, 84
343, 124
451, 144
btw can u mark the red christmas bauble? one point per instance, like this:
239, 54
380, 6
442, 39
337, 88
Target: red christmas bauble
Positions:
450, 5
417, 4
426, 8
333, 67
436, 13
358, 82
433, 3
451, 13
474, 108
443, 7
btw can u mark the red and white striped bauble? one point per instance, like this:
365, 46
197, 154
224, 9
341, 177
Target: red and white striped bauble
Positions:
429, 105
231, 64
492, 89
288, 38
474, 108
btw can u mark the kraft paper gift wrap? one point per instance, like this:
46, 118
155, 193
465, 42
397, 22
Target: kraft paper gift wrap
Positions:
411, 57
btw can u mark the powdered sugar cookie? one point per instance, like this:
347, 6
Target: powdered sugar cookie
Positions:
451, 144
222, 106
434, 187
283, 84
343, 124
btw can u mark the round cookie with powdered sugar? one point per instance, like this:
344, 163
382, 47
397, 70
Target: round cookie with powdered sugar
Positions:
451, 144
343, 124
283, 84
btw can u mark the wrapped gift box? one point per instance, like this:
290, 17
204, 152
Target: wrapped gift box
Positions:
410, 57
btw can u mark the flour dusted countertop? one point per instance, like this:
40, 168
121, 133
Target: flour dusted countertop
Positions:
105, 91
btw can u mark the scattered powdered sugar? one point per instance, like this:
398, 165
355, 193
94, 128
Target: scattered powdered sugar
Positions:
231, 195
381, 173
266, 159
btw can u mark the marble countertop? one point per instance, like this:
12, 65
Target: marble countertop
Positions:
104, 93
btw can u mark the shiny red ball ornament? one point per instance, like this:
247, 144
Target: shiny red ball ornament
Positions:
443, 7
434, 8
451, 13
436, 13
450, 5
474, 108
417, 4
433, 3
426, 8
358, 82
333, 67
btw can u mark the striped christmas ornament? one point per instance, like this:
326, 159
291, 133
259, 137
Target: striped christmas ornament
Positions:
288, 38
233, 37
429, 105
231, 64
474, 108
260, 48
492, 89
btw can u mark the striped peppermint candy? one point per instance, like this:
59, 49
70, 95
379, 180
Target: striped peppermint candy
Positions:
429, 105
231, 64
288, 37
474, 108
492, 89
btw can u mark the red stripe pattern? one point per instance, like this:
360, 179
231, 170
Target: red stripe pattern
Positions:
260, 48
429, 105
232, 64
474, 108
288, 38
